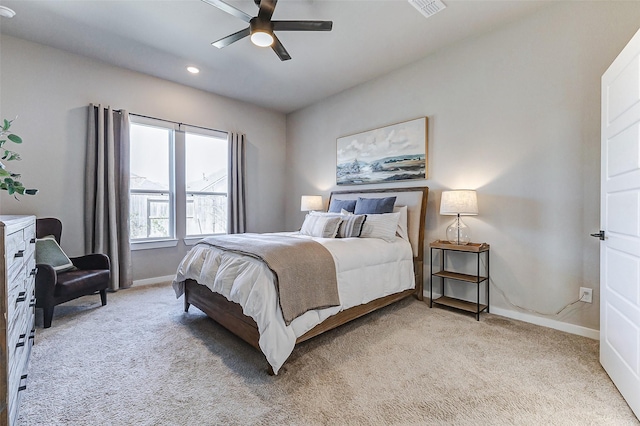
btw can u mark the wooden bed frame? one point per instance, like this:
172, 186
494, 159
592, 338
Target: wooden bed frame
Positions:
229, 314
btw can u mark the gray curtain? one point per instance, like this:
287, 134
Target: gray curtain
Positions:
107, 191
236, 200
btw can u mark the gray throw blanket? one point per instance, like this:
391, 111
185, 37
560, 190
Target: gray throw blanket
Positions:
305, 271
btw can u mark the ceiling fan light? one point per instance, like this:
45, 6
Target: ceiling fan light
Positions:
261, 38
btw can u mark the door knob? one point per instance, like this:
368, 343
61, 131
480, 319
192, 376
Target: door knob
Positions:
599, 235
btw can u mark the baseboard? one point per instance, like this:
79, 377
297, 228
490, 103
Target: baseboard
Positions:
546, 322
154, 280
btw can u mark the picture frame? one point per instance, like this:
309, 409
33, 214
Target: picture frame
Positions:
397, 152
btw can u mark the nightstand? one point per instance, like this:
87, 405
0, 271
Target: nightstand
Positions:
447, 275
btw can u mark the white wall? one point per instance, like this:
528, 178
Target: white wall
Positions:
50, 91
514, 114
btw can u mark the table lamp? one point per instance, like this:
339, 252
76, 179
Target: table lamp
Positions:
311, 203
458, 203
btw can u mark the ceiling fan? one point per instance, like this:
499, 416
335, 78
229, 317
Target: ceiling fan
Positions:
261, 28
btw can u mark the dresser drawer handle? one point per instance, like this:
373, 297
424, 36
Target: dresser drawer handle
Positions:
33, 333
32, 241
23, 387
33, 271
21, 340
20, 253
22, 296
32, 302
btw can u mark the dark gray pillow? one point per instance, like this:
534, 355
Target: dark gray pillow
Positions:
351, 226
338, 205
374, 205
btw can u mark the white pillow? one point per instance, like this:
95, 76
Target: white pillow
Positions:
383, 226
325, 214
324, 226
402, 223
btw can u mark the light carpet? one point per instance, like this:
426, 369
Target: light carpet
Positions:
141, 361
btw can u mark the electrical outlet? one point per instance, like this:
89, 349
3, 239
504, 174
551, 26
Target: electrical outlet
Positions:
586, 294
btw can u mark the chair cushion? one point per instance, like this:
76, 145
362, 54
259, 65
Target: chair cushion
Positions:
81, 282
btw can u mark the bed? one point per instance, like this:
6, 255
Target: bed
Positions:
240, 291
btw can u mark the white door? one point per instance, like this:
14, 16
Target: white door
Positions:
620, 220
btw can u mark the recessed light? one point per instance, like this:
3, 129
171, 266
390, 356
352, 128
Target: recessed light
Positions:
6, 12
193, 70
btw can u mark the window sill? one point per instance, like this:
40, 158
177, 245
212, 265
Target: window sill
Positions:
149, 245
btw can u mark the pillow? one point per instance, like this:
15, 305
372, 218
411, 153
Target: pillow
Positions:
351, 225
323, 226
337, 205
374, 205
325, 214
49, 252
402, 222
382, 226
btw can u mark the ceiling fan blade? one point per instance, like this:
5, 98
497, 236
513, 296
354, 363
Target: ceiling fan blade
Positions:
266, 9
302, 25
225, 41
229, 9
279, 49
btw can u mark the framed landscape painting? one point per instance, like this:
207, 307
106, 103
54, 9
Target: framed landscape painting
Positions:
388, 154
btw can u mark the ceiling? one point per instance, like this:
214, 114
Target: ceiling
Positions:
369, 38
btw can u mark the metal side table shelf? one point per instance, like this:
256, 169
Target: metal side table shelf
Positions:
444, 275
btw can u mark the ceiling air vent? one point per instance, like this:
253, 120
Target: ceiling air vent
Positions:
428, 7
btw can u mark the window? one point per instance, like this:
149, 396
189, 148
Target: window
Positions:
206, 159
151, 183
178, 184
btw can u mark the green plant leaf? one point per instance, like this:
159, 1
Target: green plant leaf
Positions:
8, 180
14, 138
10, 155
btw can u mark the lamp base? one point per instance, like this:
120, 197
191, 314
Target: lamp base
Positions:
458, 232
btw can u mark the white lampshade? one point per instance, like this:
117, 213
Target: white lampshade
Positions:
459, 202
311, 202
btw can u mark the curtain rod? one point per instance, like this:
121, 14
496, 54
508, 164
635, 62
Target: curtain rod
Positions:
171, 121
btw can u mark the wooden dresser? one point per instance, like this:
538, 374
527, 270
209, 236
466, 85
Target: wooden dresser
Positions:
17, 304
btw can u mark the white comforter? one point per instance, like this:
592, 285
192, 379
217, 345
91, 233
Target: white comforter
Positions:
367, 268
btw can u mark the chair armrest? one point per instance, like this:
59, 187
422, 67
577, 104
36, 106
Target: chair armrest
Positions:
46, 280
91, 261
